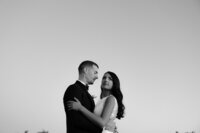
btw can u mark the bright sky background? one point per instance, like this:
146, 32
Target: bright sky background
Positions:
153, 47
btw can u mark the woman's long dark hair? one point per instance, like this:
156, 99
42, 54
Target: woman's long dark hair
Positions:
116, 92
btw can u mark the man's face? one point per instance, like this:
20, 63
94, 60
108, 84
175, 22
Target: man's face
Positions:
91, 74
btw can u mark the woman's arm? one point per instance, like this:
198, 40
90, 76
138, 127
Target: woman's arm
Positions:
98, 120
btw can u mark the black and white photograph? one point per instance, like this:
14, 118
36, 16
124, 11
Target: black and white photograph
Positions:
101, 66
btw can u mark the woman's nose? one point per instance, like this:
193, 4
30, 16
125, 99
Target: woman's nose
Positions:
106, 79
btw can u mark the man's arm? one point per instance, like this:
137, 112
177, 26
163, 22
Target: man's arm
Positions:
77, 118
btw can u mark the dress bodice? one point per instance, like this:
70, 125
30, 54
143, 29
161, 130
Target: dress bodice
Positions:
100, 105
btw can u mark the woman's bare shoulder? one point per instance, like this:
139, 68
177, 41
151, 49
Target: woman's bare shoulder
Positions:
110, 99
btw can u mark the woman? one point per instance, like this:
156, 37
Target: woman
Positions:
110, 105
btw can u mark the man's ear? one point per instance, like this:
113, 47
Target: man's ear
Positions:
85, 69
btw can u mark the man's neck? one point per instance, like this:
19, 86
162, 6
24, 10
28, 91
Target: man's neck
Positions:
82, 81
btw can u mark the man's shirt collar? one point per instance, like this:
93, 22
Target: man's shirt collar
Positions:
82, 83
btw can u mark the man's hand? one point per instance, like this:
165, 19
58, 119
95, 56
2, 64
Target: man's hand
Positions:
111, 125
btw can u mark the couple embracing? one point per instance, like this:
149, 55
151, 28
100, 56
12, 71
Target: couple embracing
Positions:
82, 115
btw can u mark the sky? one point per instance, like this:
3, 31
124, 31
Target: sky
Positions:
153, 47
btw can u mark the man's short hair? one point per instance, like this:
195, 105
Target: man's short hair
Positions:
86, 63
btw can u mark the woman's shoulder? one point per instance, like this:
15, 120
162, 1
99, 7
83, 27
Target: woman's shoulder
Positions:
110, 98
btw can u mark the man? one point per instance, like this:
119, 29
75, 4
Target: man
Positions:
77, 122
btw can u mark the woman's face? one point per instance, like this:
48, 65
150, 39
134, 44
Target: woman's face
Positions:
107, 81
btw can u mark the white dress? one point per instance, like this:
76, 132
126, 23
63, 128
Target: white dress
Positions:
99, 108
